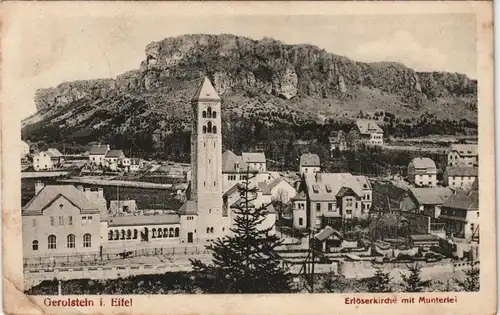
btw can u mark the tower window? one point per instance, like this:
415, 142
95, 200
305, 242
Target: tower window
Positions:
214, 114
204, 183
209, 112
214, 129
204, 114
209, 127
204, 129
214, 183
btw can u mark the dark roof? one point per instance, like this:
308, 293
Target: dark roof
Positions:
309, 159
366, 126
188, 208
462, 171
424, 237
232, 163
206, 92
51, 192
99, 150
346, 191
432, 195
425, 163
129, 220
114, 153
466, 200
465, 149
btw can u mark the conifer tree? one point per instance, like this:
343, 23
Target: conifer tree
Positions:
413, 281
471, 281
246, 261
380, 282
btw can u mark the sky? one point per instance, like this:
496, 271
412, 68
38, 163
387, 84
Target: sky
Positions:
61, 49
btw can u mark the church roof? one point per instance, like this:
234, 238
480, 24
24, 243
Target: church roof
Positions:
188, 208
206, 92
51, 193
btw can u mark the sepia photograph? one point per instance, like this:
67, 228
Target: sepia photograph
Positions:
195, 150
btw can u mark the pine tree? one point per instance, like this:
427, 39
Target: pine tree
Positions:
246, 261
380, 282
471, 282
413, 281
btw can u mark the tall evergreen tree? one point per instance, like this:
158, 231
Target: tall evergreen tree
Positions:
413, 281
246, 261
471, 281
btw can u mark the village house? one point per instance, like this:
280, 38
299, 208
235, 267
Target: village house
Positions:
97, 154
299, 211
58, 221
124, 162
333, 197
112, 158
25, 149
338, 141
463, 155
460, 212
47, 160
367, 132
426, 201
309, 164
460, 177
256, 160
281, 190
234, 170
135, 165
122, 207
422, 172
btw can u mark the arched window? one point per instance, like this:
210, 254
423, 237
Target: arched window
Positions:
211, 230
129, 234
34, 245
135, 234
204, 129
204, 114
214, 129
52, 242
154, 233
177, 232
171, 232
123, 234
209, 112
117, 235
214, 114
160, 233
208, 230
87, 240
209, 127
110, 235
165, 232
70, 241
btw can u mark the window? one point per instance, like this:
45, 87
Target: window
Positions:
52, 242
211, 230
154, 233
209, 112
204, 114
52, 221
209, 127
84, 220
330, 207
204, 183
70, 241
356, 205
472, 226
301, 221
165, 232
61, 220
214, 129
87, 240
209, 210
208, 230
34, 245
348, 211
34, 222
214, 114
177, 231
70, 220
110, 235
129, 234
204, 129
318, 206
215, 183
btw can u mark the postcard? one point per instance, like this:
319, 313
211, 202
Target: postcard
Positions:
248, 157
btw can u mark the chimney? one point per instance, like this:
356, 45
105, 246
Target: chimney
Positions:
38, 187
87, 194
80, 188
100, 193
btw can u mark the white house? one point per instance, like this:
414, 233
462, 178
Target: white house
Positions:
281, 190
309, 164
460, 212
460, 177
463, 155
368, 132
97, 154
422, 172
113, 158
25, 149
256, 160
47, 160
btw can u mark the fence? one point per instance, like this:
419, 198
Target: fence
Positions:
107, 257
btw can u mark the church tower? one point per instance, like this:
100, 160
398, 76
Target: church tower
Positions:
206, 162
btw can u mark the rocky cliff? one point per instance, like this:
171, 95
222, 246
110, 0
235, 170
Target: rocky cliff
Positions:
249, 74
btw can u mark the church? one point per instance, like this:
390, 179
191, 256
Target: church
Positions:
207, 215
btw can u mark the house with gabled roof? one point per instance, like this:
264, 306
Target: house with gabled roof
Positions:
460, 177
97, 154
47, 160
463, 155
309, 164
256, 160
234, 170
60, 220
366, 131
281, 190
460, 212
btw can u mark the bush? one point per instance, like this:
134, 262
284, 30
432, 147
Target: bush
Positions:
404, 257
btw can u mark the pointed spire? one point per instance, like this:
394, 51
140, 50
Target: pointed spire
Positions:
206, 92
